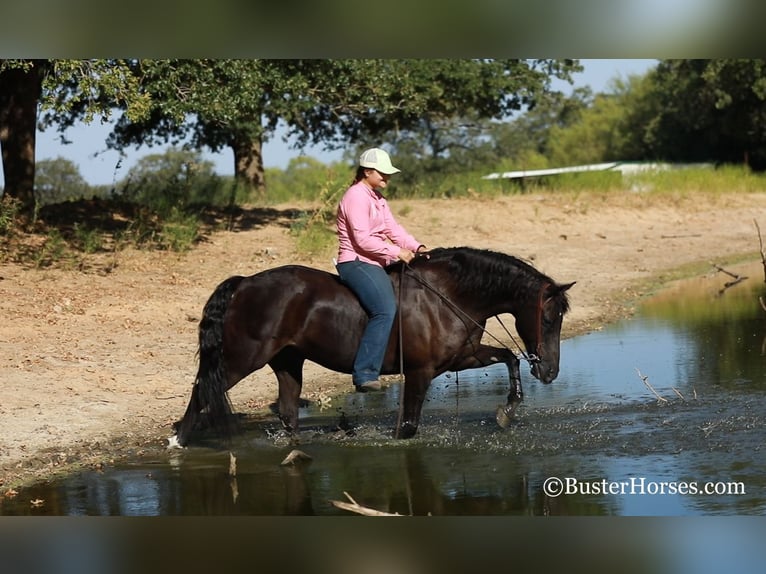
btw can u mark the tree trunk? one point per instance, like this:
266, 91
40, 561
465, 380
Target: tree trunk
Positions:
248, 165
20, 92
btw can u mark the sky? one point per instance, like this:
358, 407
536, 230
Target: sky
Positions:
100, 166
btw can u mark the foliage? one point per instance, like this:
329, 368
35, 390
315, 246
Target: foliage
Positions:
315, 228
175, 179
9, 210
306, 179
239, 103
683, 111
58, 180
709, 110
390, 96
448, 124
54, 248
84, 89
606, 130
86, 239
524, 142
179, 231
171, 189
62, 91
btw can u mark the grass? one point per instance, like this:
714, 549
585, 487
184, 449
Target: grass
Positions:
86, 239
54, 249
179, 231
63, 234
9, 211
723, 180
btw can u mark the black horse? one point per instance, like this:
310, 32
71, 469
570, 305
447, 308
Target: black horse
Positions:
286, 315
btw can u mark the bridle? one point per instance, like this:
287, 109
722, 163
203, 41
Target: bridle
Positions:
535, 357
541, 301
531, 358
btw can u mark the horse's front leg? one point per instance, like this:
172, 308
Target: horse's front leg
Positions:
505, 413
416, 385
485, 356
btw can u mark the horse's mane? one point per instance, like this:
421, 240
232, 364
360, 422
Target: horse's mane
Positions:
484, 271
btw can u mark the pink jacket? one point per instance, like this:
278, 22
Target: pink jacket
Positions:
367, 228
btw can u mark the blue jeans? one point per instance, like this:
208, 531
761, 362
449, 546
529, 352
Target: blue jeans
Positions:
372, 286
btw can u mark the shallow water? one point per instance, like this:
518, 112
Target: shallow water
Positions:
599, 432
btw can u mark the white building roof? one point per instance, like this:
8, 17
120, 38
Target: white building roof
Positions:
622, 167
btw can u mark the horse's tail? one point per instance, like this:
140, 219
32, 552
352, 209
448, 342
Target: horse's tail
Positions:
211, 383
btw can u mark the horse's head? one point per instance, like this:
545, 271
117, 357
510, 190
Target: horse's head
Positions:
539, 325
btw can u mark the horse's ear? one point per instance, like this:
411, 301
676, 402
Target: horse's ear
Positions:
557, 289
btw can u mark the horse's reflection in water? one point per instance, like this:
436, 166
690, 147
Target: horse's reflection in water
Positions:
287, 315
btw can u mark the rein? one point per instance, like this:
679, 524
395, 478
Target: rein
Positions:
529, 357
401, 356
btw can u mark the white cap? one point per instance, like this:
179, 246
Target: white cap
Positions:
376, 158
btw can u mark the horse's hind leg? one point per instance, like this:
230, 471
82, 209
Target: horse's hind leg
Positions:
288, 367
185, 426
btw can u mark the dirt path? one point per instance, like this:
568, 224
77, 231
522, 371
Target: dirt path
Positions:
97, 365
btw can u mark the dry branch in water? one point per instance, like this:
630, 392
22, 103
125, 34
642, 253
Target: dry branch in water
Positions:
645, 380
763, 260
737, 278
763, 253
295, 456
354, 506
233, 477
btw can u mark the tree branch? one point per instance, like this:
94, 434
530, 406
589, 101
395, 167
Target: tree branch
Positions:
645, 380
763, 253
737, 279
354, 506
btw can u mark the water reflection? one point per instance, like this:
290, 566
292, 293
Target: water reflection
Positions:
728, 336
702, 351
692, 337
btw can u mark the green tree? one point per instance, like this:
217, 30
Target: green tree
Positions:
172, 180
710, 110
21, 85
611, 128
240, 103
64, 91
439, 114
58, 180
525, 142
213, 103
595, 138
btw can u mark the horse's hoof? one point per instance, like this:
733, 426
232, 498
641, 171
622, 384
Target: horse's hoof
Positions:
407, 430
173, 442
504, 415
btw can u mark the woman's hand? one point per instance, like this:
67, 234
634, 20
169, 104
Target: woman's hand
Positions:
406, 255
